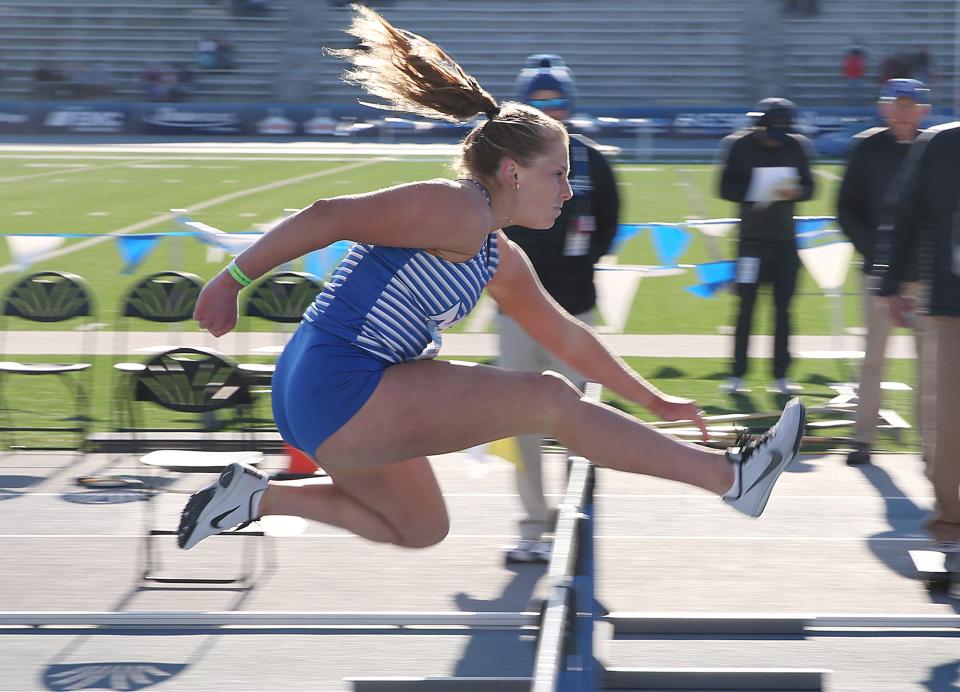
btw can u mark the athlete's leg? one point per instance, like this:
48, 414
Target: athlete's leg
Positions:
398, 503
433, 407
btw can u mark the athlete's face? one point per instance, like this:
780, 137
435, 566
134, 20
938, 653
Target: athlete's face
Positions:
543, 186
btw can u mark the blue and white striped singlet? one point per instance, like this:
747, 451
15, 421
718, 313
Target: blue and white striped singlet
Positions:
394, 302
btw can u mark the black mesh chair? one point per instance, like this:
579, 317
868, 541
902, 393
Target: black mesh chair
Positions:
193, 381
168, 298
47, 297
280, 298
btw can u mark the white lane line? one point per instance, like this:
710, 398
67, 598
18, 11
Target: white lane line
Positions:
161, 218
829, 175
84, 168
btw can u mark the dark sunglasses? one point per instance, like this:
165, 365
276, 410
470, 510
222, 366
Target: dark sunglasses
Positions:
544, 104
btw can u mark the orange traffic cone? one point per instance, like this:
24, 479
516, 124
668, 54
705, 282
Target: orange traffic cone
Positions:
300, 463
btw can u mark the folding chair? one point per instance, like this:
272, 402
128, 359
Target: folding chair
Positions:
281, 298
47, 297
167, 297
189, 380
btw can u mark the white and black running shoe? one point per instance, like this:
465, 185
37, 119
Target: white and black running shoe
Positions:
529, 550
230, 502
759, 460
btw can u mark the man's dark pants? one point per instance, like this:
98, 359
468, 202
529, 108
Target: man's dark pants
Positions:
775, 262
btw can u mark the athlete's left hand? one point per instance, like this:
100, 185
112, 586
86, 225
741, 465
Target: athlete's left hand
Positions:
678, 408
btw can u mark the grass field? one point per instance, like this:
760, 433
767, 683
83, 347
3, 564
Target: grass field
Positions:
135, 193
101, 193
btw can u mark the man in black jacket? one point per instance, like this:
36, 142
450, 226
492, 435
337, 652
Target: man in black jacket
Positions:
874, 161
766, 169
563, 258
927, 227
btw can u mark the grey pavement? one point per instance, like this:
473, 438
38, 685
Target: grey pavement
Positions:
833, 540
461, 344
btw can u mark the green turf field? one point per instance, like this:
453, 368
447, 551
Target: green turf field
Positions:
97, 195
124, 193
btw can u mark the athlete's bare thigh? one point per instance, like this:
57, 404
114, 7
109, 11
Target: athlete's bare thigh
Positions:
433, 407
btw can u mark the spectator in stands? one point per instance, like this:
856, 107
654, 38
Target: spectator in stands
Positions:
92, 80
897, 66
358, 387
926, 232
182, 83
160, 82
563, 258
876, 158
224, 54
207, 58
923, 65
766, 170
214, 53
49, 81
854, 71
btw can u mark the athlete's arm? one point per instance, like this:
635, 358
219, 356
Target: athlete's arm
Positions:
520, 296
439, 215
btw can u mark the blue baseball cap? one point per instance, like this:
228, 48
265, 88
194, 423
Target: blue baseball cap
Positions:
912, 89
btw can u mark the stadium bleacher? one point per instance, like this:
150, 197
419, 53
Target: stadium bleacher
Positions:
624, 55
124, 36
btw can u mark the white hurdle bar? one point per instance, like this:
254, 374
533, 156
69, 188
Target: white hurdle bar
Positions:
240, 618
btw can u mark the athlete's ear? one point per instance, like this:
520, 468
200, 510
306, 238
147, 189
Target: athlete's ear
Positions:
507, 173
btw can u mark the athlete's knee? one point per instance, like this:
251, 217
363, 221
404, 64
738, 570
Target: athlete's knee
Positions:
560, 385
559, 393
424, 534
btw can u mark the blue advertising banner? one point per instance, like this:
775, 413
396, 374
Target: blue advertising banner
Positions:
190, 119
83, 118
14, 118
832, 128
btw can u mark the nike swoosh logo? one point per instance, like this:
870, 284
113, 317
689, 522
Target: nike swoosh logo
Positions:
775, 459
215, 522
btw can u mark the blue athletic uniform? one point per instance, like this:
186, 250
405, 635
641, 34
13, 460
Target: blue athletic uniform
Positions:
382, 306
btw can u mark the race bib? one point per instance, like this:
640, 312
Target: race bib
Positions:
578, 236
748, 270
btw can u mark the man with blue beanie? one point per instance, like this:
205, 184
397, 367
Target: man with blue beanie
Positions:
563, 258
875, 161
924, 206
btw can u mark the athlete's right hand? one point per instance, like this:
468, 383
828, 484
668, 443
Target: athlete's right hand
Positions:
217, 309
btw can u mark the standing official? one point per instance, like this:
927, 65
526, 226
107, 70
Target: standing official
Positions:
563, 258
874, 162
766, 169
927, 227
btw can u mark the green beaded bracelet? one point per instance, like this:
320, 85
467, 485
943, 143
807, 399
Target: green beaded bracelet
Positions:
238, 274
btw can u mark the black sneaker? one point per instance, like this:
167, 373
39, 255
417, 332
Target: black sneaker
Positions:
860, 455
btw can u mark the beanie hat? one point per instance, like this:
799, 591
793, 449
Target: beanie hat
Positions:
544, 72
